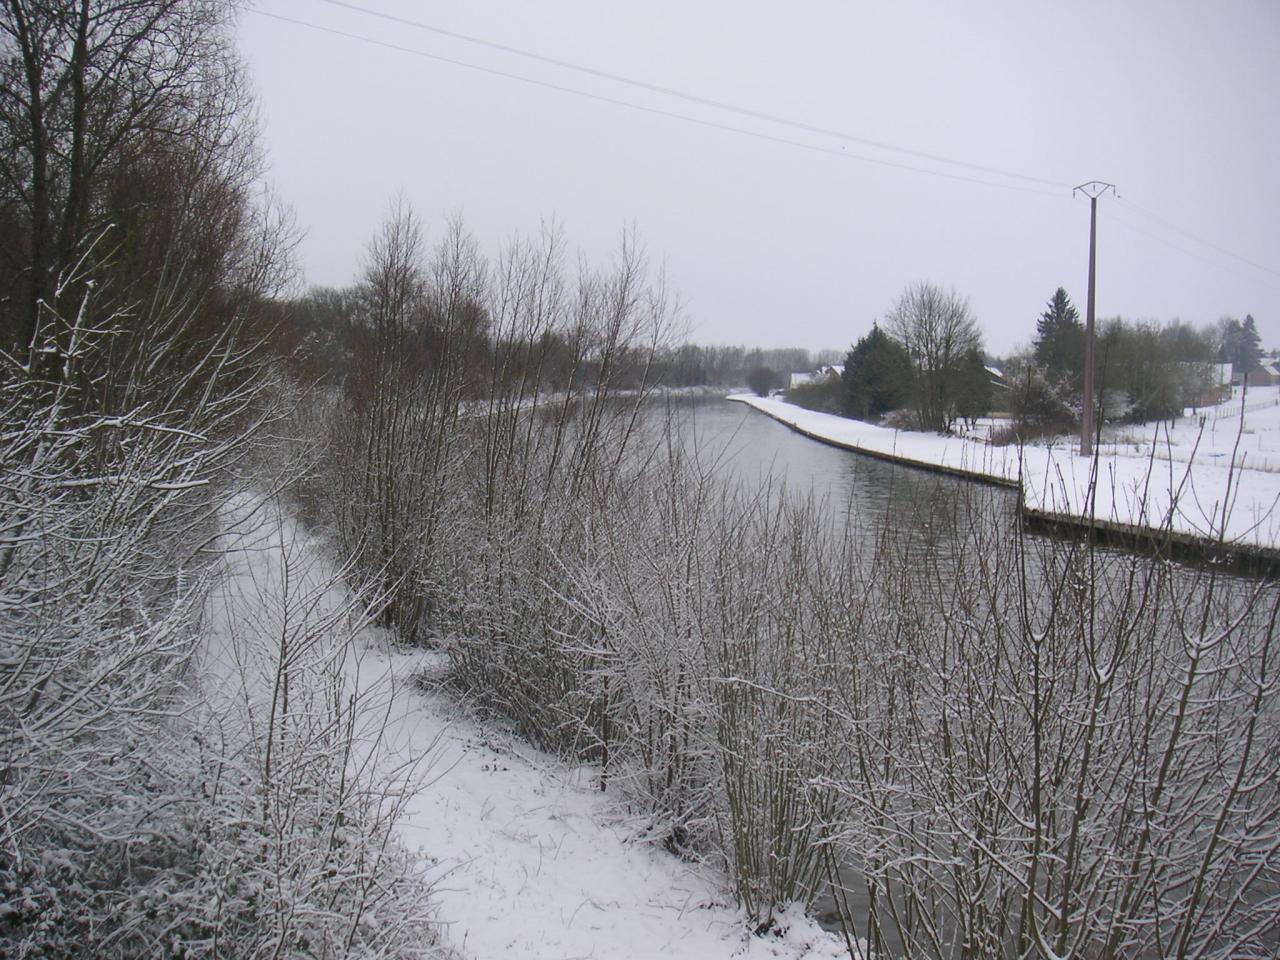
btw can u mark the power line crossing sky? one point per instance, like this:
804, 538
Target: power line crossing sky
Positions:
796, 165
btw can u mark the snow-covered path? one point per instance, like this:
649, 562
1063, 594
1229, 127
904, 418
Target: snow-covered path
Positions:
527, 857
530, 864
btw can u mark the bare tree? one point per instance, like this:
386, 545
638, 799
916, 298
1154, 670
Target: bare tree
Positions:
127, 153
938, 329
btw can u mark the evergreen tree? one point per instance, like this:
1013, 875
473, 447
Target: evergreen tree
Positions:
1059, 343
1241, 345
877, 376
762, 380
1250, 345
973, 386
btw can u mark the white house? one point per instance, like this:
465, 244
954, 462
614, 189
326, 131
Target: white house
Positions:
828, 371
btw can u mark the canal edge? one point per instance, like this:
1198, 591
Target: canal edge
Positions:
1245, 559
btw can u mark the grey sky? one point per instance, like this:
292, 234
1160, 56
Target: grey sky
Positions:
1175, 101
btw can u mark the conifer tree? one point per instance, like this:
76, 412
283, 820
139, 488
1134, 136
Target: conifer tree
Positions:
1250, 344
1059, 344
877, 375
1241, 345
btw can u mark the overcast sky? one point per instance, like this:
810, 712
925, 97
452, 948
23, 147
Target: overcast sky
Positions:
805, 243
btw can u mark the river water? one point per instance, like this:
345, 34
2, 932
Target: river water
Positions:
862, 495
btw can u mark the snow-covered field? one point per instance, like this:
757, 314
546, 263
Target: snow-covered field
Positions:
527, 857
1215, 471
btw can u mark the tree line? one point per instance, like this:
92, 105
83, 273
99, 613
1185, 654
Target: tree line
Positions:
1144, 370
926, 367
318, 329
927, 363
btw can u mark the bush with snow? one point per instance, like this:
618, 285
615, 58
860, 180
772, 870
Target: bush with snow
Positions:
137, 817
1003, 744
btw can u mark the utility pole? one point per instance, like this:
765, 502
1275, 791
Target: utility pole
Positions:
1093, 190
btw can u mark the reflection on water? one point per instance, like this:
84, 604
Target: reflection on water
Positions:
863, 495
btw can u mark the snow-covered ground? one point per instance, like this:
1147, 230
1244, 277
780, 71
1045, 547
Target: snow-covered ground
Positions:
527, 857
533, 862
1214, 470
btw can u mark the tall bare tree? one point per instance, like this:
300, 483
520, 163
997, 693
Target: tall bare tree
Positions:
126, 146
938, 329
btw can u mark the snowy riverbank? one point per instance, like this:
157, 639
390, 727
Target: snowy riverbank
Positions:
1205, 476
532, 860
525, 856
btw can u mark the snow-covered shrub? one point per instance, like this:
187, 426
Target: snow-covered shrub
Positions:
104, 518
1052, 749
305, 762
767, 606
638, 583
392, 434
459, 489
1041, 404
134, 819
655, 630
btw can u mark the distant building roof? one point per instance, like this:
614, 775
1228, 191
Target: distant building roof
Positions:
1265, 373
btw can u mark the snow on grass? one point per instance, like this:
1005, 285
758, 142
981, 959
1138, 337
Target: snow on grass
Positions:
1210, 473
531, 861
527, 858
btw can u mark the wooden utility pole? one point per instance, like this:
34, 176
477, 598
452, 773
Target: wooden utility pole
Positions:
1093, 190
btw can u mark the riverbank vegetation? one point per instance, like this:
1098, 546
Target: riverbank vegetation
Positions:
1008, 745
926, 369
141, 815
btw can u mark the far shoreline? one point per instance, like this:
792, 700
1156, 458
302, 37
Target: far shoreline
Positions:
1164, 542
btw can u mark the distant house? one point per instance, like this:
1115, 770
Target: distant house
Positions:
998, 381
1266, 374
1263, 375
828, 371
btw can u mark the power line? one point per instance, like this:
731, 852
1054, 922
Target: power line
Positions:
1191, 236
744, 111
715, 125
693, 97
1186, 251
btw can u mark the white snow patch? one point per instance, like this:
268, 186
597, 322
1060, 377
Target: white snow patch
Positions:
527, 858
531, 863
